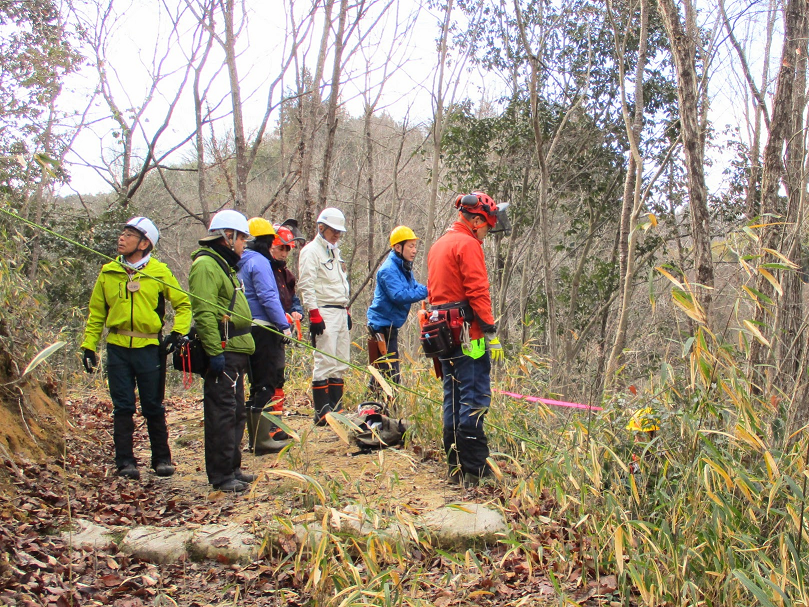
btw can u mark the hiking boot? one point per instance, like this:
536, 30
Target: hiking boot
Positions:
244, 477
455, 475
129, 471
232, 486
164, 469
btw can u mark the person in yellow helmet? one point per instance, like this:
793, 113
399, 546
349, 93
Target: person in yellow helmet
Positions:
396, 290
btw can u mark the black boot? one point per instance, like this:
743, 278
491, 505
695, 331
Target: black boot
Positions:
159, 440
336, 394
320, 400
123, 428
473, 450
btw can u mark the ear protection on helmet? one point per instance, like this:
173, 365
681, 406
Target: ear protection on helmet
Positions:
479, 203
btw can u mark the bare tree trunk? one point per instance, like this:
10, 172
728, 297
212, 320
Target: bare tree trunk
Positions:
781, 132
631, 205
683, 40
334, 98
790, 316
437, 135
311, 124
228, 9
199, 118
752, 206
369, 181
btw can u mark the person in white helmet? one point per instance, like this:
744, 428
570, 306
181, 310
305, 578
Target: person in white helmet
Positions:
223, 320
323, 287
129, 299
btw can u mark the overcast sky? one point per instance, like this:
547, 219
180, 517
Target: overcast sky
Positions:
140, 35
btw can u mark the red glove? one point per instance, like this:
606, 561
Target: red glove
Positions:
316, 323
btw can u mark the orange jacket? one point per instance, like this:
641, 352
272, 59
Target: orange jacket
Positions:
457, 272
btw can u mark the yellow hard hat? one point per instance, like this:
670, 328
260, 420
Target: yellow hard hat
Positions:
401, 234
643, 420
259, 226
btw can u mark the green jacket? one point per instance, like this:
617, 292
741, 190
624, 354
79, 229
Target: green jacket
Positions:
211, 291
141, 311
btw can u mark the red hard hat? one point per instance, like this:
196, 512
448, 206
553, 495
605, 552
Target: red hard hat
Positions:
478, 203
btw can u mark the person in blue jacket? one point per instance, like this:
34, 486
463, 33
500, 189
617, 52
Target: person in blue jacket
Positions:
261, 290
395, 291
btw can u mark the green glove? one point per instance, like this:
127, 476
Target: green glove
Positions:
495, 349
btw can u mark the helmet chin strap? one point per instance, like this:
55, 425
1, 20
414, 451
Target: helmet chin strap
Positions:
470, 226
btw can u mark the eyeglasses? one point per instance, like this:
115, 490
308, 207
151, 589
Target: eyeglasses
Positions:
129, 233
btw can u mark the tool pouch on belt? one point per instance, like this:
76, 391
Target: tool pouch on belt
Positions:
191, 357
441, 334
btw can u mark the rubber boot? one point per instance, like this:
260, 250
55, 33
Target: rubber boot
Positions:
269, 437
159, 440
336, 394
454, 472
320, 400
123, 427
251, 430
473, 450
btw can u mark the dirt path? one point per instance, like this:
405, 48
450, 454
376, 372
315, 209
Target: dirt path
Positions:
380, 479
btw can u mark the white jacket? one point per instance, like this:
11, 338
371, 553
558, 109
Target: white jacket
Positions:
322, 279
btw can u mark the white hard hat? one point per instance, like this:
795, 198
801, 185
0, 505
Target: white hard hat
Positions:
333, 218
228, 219
145, 227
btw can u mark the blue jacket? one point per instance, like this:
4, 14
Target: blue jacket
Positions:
395, 290
261, 290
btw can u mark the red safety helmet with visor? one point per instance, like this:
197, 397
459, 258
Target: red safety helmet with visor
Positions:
287, 233
480, 203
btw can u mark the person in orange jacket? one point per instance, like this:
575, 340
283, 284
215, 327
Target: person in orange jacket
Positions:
458, 286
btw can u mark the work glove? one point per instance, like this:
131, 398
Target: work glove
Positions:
316, 323
350, 322
171, 342
216, 364
494, 347
90, 361
287, 334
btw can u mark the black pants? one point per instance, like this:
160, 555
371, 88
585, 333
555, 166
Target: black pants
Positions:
223, 401
266, 367
126, 369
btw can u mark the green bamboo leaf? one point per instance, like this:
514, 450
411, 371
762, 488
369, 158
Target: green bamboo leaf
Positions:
43, 356
278, 420
776, 266
756, 294
752, 587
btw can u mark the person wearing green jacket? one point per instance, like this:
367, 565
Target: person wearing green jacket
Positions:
129, 300
223, 321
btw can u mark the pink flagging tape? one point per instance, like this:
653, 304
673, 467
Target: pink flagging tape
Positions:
548, 401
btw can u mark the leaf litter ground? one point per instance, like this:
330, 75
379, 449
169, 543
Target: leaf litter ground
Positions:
42, 498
